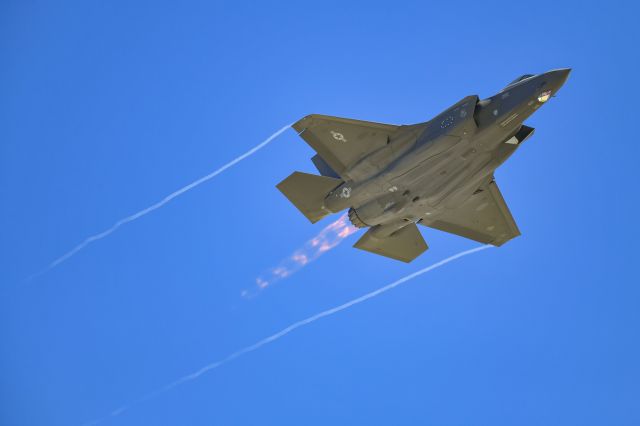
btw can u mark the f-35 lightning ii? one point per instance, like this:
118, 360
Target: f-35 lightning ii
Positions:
438, 174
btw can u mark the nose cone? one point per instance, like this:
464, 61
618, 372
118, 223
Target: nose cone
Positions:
558, 77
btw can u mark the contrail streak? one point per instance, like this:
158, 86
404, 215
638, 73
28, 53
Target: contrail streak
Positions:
288, 330
159, 204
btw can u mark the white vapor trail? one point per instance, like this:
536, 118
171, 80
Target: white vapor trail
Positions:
160, 203
288, 330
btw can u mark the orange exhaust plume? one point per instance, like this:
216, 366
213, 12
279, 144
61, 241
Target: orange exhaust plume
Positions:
327, 239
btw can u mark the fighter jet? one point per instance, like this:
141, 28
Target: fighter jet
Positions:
437, 174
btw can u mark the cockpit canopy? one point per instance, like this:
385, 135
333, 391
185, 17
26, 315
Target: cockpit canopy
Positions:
523, 77
518, 80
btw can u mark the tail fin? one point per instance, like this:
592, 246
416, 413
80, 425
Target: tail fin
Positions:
307, 192
405, 244
324, 168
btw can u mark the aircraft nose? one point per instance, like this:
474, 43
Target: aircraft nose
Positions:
559, 76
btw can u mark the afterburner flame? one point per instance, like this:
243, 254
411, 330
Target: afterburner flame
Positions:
330, 237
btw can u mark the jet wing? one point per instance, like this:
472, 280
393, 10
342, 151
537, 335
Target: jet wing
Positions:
342, 142
483, 217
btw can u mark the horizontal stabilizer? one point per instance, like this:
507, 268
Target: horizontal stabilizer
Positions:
307, 192
405, 244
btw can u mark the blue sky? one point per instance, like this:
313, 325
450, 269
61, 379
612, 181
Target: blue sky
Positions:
107, 107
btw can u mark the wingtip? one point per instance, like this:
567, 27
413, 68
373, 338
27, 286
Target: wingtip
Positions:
302, 124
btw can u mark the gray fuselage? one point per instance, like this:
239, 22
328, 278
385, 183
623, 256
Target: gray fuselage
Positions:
429, 168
